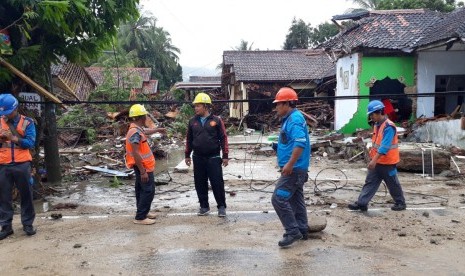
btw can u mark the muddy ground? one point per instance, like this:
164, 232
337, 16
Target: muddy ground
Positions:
99, 238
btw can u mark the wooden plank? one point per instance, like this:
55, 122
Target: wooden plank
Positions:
29, 81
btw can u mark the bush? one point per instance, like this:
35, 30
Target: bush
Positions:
179, 126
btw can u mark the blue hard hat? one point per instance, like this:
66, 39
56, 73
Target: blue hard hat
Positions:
8, 104
374, 106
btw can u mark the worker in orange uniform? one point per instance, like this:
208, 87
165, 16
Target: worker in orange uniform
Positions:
17, 137
384, 156
139, 156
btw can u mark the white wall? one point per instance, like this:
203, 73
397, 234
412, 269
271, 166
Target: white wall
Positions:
445, 133
347, 69
430, 64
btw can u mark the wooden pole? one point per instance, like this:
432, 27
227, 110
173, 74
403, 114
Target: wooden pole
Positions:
29, 81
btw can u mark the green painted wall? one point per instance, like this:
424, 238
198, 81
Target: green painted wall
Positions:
378, 68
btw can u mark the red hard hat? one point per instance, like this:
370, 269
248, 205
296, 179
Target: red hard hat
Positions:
285, 94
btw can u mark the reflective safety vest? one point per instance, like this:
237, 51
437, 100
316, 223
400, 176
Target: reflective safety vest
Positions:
148, 160
10, 152
392, 156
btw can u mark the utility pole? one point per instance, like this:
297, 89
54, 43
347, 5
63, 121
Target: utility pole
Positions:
52, 156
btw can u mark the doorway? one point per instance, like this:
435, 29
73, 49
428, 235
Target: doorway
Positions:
447, 104
399, 107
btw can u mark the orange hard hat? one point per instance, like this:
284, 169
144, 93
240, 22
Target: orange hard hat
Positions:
285, 94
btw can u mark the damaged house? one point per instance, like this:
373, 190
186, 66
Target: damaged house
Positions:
254, 77
136, 79
71, 81
388, 54
209, 84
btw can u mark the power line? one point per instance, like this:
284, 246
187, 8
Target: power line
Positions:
353, 97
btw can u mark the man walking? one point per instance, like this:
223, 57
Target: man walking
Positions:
139, 156
293, 152
17, 137
206, 137
384, 156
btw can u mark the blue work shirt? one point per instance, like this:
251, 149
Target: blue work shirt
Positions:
388, 135
294, 133
29, 139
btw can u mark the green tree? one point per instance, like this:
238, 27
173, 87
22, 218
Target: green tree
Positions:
298, 36
323, 32
41, 31
243, 46
435, 5
153, 47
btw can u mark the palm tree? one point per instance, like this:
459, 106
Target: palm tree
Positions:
134, 35
243, 46
367, 4
154, 49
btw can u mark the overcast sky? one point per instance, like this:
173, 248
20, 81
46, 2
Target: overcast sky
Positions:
203, 29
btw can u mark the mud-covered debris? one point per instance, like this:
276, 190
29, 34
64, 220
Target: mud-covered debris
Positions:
56, 216
61, 206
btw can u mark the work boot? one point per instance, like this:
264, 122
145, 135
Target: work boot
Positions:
146, 221
305, 234
289, 239
222, 211
355, 207
29, 230
399, 207
151, 215
203, 212
6, 231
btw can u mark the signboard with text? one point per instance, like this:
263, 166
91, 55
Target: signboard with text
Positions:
30, 99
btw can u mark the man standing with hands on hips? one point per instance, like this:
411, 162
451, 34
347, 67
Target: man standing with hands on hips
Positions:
17, 137
293, 150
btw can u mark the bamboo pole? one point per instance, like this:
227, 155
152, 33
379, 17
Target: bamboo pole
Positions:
29, 81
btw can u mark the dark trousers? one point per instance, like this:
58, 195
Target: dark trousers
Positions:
145, 193
209, 168
289, 203
19, 175
388, 173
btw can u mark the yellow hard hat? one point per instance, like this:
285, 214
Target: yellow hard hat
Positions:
137, 110
202, 98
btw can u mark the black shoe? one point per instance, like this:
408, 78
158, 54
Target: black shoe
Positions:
305, 234
221, 211
290, 239
29, 229
203, 212
6, 231
355, 207
399, 207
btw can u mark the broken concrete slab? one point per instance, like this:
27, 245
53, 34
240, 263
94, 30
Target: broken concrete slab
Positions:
417, 158
181, 167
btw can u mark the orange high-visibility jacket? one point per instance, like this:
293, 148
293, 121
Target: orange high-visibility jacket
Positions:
392, 156
10, 152
148, 160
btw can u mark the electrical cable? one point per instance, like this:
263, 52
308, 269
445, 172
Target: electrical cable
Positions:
352, 97
332, 182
